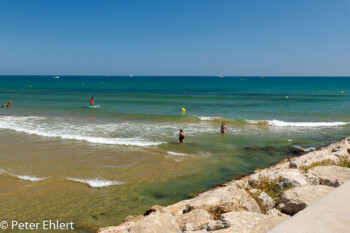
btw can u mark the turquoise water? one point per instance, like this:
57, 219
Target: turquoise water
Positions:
124, 156
228, 97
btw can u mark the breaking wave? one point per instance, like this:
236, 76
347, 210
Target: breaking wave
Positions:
177, 153
96, 183
22, 177
276, 123
41, 126
29, 178
305, 124
307, 149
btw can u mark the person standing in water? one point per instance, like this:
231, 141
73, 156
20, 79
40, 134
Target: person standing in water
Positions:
182, 136
92, 101
223, 128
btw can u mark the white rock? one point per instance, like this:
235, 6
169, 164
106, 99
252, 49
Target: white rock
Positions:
201, 231
331, 175
215, 225
289, 177
332, 152
274, 212
225, 200
156, 223
297, 199
265, 201
243, 222
194, 220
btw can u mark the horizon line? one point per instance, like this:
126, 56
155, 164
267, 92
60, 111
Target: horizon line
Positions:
109, 75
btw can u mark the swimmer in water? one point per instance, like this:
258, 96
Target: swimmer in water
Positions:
92, 101
182, 136
223, 128
7, 105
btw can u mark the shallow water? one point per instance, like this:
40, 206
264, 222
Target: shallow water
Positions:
60, 159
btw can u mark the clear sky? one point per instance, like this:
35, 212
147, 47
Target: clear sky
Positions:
175, 37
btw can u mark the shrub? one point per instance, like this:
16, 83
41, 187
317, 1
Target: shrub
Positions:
269, 186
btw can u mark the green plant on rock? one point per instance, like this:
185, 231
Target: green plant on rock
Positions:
269, 186
342, 162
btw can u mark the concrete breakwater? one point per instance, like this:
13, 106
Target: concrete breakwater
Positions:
255, 203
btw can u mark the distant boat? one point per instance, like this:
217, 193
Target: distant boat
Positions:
221, 76
130, 76
56, 77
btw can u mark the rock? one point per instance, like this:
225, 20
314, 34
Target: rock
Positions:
264, 201
242, 222
177, 208
224, 200
331, 175
242, 184
153, 209
340, 149
288, 178
201, 231
133, 218
297, 199
122, 228
215, 225
187, 209
296, 151
274, 212
156, 223
194, 220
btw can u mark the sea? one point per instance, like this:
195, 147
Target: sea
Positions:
62, 160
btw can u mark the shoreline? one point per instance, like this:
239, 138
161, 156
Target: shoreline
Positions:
265, 198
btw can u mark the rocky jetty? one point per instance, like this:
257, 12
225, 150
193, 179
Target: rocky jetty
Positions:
255, 203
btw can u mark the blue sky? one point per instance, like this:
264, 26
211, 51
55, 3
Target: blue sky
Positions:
175, 37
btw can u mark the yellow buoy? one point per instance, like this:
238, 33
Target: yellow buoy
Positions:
30, 86
287, 97
342, 92
183, 109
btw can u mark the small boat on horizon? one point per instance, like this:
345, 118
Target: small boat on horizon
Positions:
56, 77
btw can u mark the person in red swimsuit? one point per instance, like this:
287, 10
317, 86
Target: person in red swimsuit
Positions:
92, 101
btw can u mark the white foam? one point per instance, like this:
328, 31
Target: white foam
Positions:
252, 121
29, 178
305, 124
279, 123
206, 118
177, 154
305, 149
22, 177
96, 183
38, 126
